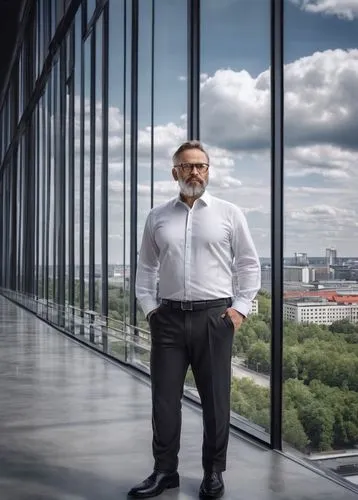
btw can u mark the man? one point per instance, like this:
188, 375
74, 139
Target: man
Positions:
209, 273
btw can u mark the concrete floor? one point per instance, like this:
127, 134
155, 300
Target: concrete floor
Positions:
75, 426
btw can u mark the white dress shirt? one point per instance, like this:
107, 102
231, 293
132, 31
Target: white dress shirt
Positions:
201, 253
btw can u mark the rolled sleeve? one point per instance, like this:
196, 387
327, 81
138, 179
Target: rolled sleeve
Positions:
246, 265
147, 271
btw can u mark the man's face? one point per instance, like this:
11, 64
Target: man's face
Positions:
191, 172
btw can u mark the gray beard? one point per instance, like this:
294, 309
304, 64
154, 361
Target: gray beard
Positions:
193, 190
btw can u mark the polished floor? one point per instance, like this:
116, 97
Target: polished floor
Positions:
75, 426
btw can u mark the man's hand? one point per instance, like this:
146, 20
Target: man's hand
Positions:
236, 317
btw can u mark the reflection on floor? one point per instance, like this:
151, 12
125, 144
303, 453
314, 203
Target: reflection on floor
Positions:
75, 426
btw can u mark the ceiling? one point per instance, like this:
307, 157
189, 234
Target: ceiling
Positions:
9, 15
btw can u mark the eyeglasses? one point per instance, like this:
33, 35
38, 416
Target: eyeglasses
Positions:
188, 167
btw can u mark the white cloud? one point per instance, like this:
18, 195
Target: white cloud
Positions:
323, 212
321, 104
235, 113
166, 139
326, 160
344, 9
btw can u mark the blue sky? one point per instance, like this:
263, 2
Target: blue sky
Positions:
321, 97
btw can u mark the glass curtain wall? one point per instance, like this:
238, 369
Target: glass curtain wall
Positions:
320, 352
100, 95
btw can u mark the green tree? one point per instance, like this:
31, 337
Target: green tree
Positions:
290, 363
293, 431
264, 303
244, 339
318, 421
343, 326
262, 330
259, 354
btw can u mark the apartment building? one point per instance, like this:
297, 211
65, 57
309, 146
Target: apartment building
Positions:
319, 311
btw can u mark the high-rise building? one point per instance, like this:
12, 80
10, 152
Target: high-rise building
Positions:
301, 259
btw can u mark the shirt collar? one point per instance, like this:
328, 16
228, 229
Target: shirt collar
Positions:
204, 198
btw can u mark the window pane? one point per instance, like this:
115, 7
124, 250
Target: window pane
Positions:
320, 305
77, 166
98, 169
145, 103
235, 127
163, 93
118, 189
170, 93
87, 151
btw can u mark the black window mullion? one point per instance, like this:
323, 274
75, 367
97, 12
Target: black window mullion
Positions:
55, 182
82, 172
2, 228
13, 232
61, 229
276, 220
152, 108
134, 163
124, 153
37, 201
104, 183
13, 225
71, 170
19, 218
49, 130
3, 225
43, 194
193, 129
91, 277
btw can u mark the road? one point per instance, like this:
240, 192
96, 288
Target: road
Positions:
239, 371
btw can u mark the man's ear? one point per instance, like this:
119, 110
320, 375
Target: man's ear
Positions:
175, 174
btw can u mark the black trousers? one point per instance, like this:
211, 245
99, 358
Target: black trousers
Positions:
203, 340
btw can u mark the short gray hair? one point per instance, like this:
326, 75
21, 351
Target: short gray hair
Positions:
189, 145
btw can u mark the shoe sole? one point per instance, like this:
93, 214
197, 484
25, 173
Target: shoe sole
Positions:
204, 496
174, 483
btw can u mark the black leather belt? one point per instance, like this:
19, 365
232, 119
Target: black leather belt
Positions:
196, 305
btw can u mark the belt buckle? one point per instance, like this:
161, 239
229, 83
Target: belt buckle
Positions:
186, 305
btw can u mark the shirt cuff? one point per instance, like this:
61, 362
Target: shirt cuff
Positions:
149, 306
242, 307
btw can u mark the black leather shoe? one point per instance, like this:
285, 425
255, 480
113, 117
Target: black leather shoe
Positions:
155, 484
212, 485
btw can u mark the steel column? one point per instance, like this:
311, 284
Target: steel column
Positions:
276, 219
92, 189
134, 163
193, 69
